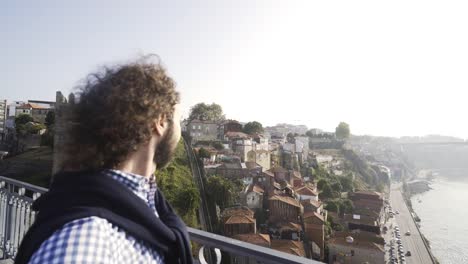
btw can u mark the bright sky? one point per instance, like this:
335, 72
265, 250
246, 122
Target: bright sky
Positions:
388, 68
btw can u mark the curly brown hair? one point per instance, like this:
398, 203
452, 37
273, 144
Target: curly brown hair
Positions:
114, 114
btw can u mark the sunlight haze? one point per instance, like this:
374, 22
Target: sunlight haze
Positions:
390, 68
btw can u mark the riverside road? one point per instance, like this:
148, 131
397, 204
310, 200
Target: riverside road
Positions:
414, 242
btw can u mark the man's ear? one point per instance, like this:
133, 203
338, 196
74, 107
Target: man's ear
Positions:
160, 125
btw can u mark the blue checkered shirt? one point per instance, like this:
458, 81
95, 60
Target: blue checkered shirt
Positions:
95, 240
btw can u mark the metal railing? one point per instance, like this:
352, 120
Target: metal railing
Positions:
16, 217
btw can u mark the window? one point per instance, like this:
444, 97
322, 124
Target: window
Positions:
194, 127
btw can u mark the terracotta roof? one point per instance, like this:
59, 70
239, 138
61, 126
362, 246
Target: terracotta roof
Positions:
286, 199
290, 225
255, 188
257, 239
316, 204
313, 214
238, 210
24, 106
37, 106
232, 134
239, 219
305, 190
288, 246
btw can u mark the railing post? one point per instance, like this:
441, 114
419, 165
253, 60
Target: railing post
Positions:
3, 218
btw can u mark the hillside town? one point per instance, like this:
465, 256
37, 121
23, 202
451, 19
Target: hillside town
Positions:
302, 191
299, 190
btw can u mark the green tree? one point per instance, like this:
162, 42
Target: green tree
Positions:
221, 191
347, 182
327, 191
50, 119
347, 206
321, 183
342, 131
332, 206
218, 145
206, 112
253, 128
321, 172
34, 128
203, 153
336, 187
176, 183
380, 187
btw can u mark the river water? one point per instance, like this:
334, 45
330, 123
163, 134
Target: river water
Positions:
444, 217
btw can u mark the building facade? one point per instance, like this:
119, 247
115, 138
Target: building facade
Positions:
3, 118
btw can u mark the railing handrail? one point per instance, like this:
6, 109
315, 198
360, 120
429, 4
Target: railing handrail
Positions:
207, 239
240, 248
25, 185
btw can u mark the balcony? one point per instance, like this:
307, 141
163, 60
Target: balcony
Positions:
16, 216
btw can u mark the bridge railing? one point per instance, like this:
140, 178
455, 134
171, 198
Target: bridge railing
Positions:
16, 216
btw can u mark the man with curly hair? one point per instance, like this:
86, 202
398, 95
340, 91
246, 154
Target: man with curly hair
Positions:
103, 206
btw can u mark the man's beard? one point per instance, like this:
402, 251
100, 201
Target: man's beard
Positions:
165, 149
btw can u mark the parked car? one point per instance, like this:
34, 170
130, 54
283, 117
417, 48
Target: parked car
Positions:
408, 233
408, 253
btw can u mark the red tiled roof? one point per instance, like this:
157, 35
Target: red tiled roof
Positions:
257, 239
286, 199
24, 106
37, 106
316, 204
239, 219
255, 188
240, 210
313, 214
232, 134
288, 246
305, 190
290, 225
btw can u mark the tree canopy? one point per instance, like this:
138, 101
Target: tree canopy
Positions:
342, 131
177, 185
23, 119
222, 191
253, 127
50, 119
206, 112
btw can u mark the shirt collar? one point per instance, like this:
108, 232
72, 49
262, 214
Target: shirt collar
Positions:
138, 184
